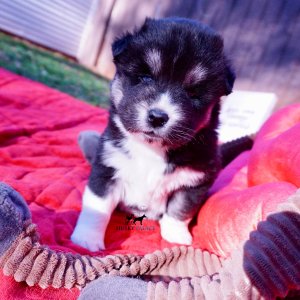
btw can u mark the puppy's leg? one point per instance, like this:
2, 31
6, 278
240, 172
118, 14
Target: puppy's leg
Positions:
93, 220
182, 207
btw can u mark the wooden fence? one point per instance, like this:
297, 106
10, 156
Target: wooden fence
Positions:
262, 37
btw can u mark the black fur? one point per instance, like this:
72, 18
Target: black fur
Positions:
183, 44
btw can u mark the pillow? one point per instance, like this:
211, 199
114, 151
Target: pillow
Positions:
252, 186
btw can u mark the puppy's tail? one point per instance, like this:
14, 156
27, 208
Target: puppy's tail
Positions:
88, 142
230, 150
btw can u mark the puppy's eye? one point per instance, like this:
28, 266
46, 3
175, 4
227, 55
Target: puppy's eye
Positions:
193, 94
145, 79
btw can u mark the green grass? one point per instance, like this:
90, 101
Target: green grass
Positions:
52, 69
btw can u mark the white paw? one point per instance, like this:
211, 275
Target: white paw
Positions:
88, 238
92, 222
175, 231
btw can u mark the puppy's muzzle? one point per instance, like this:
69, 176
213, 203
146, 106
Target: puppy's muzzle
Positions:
157, 118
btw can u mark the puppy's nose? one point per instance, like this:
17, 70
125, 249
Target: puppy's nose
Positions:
157, 117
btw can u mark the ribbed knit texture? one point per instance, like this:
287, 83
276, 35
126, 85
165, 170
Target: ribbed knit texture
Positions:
267, 265
27, 260
272, 253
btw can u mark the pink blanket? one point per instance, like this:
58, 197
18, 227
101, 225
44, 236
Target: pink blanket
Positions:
39, 157
253, 185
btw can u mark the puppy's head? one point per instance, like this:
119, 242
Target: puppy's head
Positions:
170, 75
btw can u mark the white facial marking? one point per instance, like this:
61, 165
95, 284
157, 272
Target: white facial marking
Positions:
91, 225
164, 103
116, 90
153, 59
195, 75
175, 231
142, 112
139, 136
121, 126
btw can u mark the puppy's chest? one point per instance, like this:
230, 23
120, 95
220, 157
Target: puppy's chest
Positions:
142, 179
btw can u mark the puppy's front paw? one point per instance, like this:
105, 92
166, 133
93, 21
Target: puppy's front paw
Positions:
88, 238
175, 231
177, 236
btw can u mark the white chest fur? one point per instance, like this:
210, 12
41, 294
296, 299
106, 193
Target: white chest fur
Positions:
140, 175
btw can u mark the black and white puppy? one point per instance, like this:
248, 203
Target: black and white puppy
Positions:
158, 154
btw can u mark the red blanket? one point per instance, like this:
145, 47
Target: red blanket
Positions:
40, 158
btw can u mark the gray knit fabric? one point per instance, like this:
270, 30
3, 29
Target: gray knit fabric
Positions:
115, 287
13, 212
272, 255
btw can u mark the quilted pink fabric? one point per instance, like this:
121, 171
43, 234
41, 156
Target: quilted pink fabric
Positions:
40, 158
253, 185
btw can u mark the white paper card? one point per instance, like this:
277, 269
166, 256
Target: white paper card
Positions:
243, 113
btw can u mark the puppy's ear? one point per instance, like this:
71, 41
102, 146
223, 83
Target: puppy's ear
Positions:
148, 22
229, 78
120, 44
